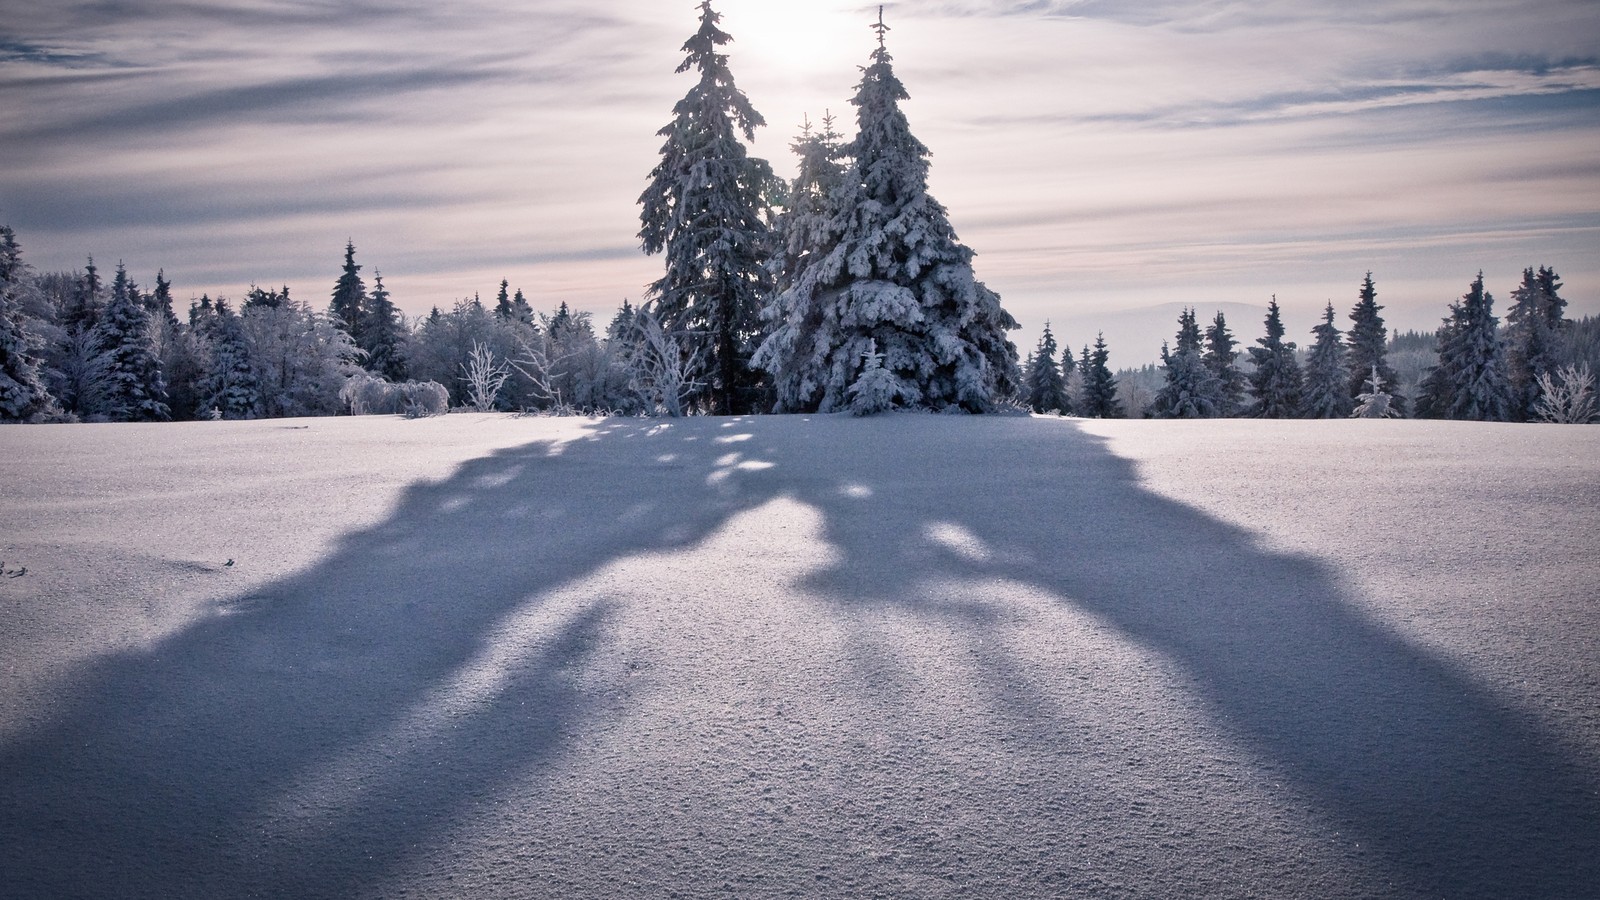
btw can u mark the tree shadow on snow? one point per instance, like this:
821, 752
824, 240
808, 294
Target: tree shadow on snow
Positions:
237, 757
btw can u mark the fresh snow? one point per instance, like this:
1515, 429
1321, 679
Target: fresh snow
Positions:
818, 656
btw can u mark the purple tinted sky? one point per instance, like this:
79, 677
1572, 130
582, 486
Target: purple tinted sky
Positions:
1099, 156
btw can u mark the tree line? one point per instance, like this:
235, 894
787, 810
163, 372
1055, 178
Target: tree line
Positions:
74, 348
1537, 366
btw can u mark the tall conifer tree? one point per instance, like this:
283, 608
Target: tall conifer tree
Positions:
1367, 347
383, 334
135, 389
1099, 394
1044, 388
1327, 391
349, 295
896, 287
1276, 382
705, 210
22, 391
1222, 359
1191, 391
1470, 380
1534, 324
230, 389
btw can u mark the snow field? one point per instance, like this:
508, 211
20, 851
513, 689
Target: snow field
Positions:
819, 656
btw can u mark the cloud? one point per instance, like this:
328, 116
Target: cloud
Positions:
1093, 153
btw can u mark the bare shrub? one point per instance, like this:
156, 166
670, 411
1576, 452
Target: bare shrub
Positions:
485, 375
1566, 397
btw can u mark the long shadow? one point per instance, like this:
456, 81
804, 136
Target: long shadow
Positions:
239, 756
1457, 793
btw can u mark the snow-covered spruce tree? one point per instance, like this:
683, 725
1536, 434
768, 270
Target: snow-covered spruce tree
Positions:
1470, 380
159, 302
230, 388
1534, 324
705, 211
186, 363
383, 334
878, 389
1276, 382
805, 234
1044, 390
521, 309
135, 391
23, 396
83, 310
1326, 390
896, 282
1367, 346
349, 295
1222, 359
1190, 390
1099, 398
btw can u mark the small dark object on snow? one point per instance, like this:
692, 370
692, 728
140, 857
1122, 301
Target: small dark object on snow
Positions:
18, 573
228, 564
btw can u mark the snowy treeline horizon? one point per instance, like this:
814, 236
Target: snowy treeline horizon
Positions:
64, 336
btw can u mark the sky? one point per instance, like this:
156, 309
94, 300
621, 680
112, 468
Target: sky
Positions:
1105, 160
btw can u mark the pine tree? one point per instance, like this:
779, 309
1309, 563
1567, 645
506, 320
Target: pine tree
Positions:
622, 324
805, 233
1099, 387
83, 313
159, 301
1221, 359
231, 389
1276, 382
23, 395
878, 389
1191, 391
896, 281
1044, 389
349, 295
1534, 325
521, 310
1470, 380
1367, 346
383, 334
502, 302
136, 391
808, 227
705, 211
262, 298
1326, 394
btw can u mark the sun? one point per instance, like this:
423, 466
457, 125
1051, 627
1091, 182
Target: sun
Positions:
796, 41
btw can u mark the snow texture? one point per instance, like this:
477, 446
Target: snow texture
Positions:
900, 656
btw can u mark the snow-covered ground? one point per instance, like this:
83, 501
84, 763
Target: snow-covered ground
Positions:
906, 656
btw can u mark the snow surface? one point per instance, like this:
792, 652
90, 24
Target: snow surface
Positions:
903, 656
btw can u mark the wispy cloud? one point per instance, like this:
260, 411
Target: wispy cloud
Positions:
1093, 152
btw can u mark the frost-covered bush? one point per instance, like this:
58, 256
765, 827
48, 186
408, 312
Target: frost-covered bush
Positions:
1567, 398
1375, 403
370, 395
